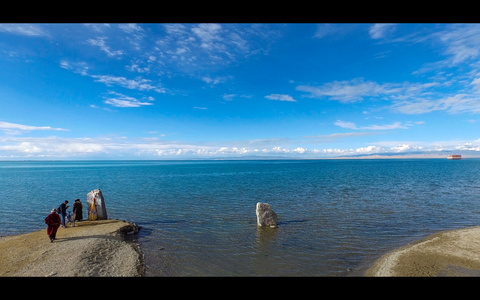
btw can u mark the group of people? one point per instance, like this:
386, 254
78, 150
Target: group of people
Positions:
57, 217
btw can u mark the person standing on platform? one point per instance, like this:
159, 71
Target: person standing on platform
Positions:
53, 222
62, 210
77, 211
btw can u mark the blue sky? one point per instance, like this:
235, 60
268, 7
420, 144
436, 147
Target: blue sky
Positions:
228, 90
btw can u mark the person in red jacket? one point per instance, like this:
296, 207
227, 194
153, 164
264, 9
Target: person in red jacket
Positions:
53, 222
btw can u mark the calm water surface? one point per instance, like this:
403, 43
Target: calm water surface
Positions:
336, 216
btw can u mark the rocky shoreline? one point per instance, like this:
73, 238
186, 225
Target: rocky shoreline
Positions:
91, 248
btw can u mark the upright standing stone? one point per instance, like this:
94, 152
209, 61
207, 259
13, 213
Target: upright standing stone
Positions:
266, 216
96, 205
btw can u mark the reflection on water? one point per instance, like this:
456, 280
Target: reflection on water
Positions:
265, 239
264, 250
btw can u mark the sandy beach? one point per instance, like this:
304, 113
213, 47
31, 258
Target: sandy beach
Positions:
449, 253
91, 248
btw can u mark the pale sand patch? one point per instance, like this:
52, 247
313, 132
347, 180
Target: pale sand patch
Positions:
91, 248
447, 253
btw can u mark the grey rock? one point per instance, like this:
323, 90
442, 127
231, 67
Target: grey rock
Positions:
266, 217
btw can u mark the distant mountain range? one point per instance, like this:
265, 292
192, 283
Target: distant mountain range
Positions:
419, 154
392, 155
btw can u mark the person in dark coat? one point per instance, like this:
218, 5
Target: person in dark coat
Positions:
53, 222
77, 210
62, 210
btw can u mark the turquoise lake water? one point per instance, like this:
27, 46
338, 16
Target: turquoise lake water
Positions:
198, 217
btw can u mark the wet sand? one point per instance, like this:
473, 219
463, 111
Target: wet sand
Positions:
451, 253
91, 248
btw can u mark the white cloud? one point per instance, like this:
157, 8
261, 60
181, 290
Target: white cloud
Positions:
215, 80
461, 103
124, 148
120, 100
55, 147
52, 147
190, 47
462, 42
209, 34
33, 30
97, 27
324, 30
396, 125
350, 91
459, 42
100, 43
135, 34
350, 125
175, 29
476, 85
80, 68
369, 149
378, 31
22, 147
299, 150
229, 97
407, 98
402, 148
344, 124
133, 84
338, 136
280, 97
13, 128
138, 83
130, 28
